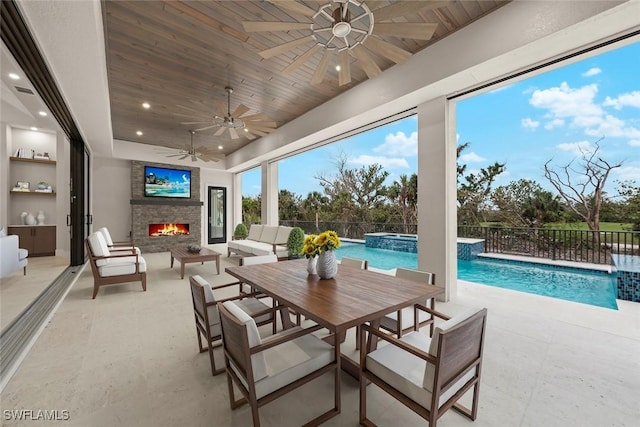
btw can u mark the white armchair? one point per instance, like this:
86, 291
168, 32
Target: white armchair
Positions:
12, 257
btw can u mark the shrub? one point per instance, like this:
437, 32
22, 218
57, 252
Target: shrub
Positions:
240, 232
295, 242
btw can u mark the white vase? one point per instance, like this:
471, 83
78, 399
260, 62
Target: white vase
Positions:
327, 265
311, 265
40, 217
30, 220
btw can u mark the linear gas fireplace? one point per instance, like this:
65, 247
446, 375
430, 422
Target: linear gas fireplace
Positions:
171, 229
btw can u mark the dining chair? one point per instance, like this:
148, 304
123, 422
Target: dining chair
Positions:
205, 310
354, 262
266, 369
427, 374
408, 318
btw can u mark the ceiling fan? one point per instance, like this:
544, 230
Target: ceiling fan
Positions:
200, 153
237, 123
347, 27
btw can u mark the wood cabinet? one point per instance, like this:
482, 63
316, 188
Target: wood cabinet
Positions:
39, 240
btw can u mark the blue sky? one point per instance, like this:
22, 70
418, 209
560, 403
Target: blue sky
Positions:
550, 116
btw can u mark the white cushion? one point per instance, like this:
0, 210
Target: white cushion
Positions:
405, 372
235, 244
252, 306
257, 360
106, 235
433, 347
293, 360
282, 251
208, 293
122, 266
22, 254
261, 248
269, 234
283, 234
254, 232
390, 321
262, 259
415, 275
3, 232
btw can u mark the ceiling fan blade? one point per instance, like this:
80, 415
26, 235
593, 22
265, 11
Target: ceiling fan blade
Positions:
184, 156
262, 124
255, 117
195, 123
302, 59
344, 75
250, 136
402, 8
387, 50
205, 128
255, 27
320, 72
266, 54
240, 110
294, 6
258, 132
219, 131
418, 31
261, 129
366, 61
233, 133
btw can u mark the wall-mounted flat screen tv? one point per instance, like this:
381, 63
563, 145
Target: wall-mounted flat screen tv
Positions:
165, 182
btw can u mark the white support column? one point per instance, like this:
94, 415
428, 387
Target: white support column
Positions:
437, 207
236, 202
270, 193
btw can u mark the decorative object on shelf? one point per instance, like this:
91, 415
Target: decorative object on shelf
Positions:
323, 245
25, 153
21, 186
44, 187
312, 265
40, 156
23, 217
30, 219
193, 248
40, 217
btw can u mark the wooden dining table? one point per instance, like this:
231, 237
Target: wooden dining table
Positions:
353, 297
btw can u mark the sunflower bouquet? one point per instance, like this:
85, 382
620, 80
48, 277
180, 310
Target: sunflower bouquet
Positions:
316, 244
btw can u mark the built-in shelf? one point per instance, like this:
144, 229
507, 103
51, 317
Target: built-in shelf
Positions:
24, 159
39, 193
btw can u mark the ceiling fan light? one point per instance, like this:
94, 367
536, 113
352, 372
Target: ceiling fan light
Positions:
341, 29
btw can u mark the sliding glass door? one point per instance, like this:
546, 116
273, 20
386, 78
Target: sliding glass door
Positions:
217, 215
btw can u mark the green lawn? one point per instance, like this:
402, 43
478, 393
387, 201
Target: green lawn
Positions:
604, 226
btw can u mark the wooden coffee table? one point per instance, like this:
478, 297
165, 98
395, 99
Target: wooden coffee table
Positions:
184, 256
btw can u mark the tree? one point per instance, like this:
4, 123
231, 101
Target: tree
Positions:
631, 194
403, 193
582, 185
288, 205
251, 209
474, 189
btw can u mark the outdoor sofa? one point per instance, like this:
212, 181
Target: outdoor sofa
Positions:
262, 240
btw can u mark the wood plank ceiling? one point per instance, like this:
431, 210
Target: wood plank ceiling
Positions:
180, 55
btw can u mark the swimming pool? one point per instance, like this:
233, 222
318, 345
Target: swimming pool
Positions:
583, 286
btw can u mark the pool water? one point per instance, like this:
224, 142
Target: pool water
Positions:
583, 286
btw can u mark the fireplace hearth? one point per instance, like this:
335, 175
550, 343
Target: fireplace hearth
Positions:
171, 229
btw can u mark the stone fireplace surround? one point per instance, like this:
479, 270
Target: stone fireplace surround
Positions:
148, 210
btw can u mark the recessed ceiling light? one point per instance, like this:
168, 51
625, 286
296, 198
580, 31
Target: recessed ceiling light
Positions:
246, 130
42, 113
337, 68
139, 133
14, 76
219, 147
34, 128
146, 105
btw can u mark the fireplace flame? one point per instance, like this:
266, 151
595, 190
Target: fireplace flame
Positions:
168, 229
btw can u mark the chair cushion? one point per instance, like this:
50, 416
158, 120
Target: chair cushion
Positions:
405, 372
283, 234
257, 360
122, 266
269, 234
282, 251
292, 360
98, 244
22, 254
208, 293
255, 231
261, 248
433, 346
252, 306
415, 275
390, 321
106, 235
261, 259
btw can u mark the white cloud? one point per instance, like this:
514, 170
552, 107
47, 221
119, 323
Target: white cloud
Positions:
528, 123
577, 107
399, 145
576, 148
627, 173
631, 99
592, 72
386, 162
555, 123
634, 143
472, 158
